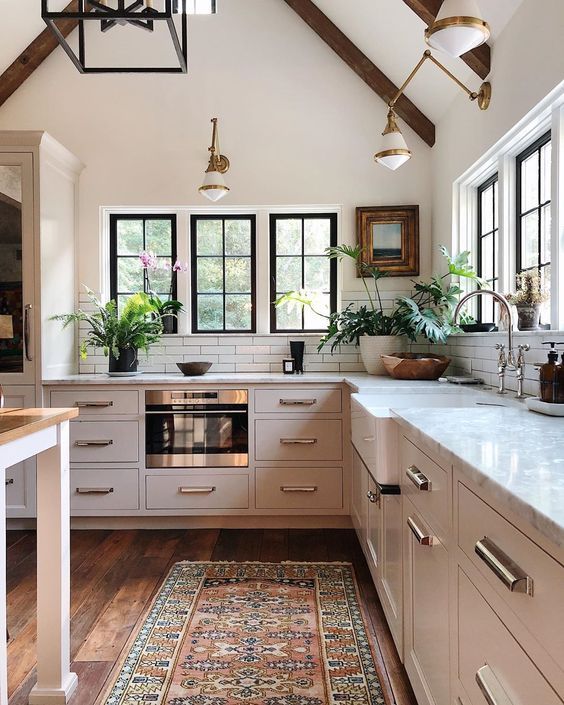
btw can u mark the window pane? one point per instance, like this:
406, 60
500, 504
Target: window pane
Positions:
210, 237
545, 157
317, 235
238, 237
159, 279
496, 204
210, 312
313, 321
488, 310
129, 274
487, 210
530, 182
288, 273
545, 234
530, 240
129, 237
238, 274
158, 237
121, 301
288, 318
317, 273
238, 312
545, 285
210, 274
289, 237
487, 257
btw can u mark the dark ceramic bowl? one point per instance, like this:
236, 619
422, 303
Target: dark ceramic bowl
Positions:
478, 327
193, 369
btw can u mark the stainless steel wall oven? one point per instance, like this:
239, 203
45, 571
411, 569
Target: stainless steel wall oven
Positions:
203, 428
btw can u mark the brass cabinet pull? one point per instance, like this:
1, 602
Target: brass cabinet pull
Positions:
285, 488
27, 332
9, 481
491, 688
96, 444
298, 441
420, 480
94, 490
93, 404
422, 538
503, 567
298, 402
196, 490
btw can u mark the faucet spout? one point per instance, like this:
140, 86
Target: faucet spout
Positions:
502, 301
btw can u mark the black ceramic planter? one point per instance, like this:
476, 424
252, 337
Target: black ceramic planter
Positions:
126, 363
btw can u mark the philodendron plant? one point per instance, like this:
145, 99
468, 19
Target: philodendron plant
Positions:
428, 312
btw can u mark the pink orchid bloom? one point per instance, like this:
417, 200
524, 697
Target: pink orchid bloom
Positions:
179, 267
148, 260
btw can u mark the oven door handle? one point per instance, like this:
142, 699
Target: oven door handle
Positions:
193, 412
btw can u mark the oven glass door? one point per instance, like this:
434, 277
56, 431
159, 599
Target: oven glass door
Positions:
197, 439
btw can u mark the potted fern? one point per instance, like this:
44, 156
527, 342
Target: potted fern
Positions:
120, 335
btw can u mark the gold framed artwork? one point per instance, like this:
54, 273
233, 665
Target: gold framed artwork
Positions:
389, 237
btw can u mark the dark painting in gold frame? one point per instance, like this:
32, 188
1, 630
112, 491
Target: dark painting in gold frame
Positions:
389, 237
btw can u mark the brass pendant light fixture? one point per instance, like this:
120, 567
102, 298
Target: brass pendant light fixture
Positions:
457, 28
394, 151
214, 186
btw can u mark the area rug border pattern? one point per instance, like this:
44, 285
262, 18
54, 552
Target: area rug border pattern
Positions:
132, 652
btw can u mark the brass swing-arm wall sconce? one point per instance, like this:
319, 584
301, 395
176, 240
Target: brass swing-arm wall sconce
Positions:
214, 186
394, 151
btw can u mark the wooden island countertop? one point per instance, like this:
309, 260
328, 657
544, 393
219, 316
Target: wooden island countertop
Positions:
19, 423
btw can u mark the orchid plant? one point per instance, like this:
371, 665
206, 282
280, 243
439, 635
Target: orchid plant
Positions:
150, 263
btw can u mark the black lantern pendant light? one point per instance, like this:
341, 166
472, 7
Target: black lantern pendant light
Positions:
109, 14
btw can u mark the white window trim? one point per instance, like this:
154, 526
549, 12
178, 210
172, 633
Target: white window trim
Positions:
183, 214
547, 115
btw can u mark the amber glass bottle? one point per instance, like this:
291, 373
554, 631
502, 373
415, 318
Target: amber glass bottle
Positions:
549, 376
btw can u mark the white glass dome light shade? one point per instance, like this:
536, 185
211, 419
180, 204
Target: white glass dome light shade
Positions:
457, 28
393, 150
214, 186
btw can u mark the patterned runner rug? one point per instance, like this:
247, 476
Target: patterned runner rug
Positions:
251, 634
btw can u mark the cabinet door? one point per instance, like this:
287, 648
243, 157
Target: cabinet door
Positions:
16, 269
390, 579
426, 647
20, 478
374, 527
359, 501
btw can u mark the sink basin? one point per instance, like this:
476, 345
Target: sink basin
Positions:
375, 434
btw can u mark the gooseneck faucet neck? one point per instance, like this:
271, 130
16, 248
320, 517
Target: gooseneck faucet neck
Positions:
502, 301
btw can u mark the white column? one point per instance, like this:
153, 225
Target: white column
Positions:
55, 682
3, 646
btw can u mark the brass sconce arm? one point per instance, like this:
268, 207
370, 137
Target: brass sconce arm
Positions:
218, 162
483, 96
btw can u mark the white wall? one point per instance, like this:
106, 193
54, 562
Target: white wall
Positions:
298, 125
527, 63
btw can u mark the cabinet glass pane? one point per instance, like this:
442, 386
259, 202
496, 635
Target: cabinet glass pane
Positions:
11, 285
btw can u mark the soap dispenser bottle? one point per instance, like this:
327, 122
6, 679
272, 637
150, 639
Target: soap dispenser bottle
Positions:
549, 376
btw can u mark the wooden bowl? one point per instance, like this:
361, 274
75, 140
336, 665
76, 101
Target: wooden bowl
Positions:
194, 369
415, 365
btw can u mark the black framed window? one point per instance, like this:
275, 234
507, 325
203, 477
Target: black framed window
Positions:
533, 212
131, 235
201, 7
298, 261
488, 244
223, 266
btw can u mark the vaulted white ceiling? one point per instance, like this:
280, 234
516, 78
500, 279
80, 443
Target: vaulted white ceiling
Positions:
387, 31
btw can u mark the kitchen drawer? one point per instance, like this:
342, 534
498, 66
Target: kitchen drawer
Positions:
104, 442
210, 491
104, 489
15, 487
299, 488
431, 497
98, 403
488, 651
543, 611
298, 439
268, 401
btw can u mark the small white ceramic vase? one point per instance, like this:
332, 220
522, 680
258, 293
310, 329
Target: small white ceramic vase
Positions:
372, 347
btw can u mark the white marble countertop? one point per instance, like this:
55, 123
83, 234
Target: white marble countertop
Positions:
517, 456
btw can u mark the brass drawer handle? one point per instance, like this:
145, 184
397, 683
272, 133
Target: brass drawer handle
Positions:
491, 688
298, 402
298, 441
503, 567
422, 538
96, 444
9, 481
94, 490
196, 490
420, 480
284, 488
93, 404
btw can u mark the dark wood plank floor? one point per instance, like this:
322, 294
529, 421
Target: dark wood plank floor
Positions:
114, 575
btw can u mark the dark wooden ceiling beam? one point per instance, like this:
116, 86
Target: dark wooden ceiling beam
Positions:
363, 67
479, 59
34, 55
